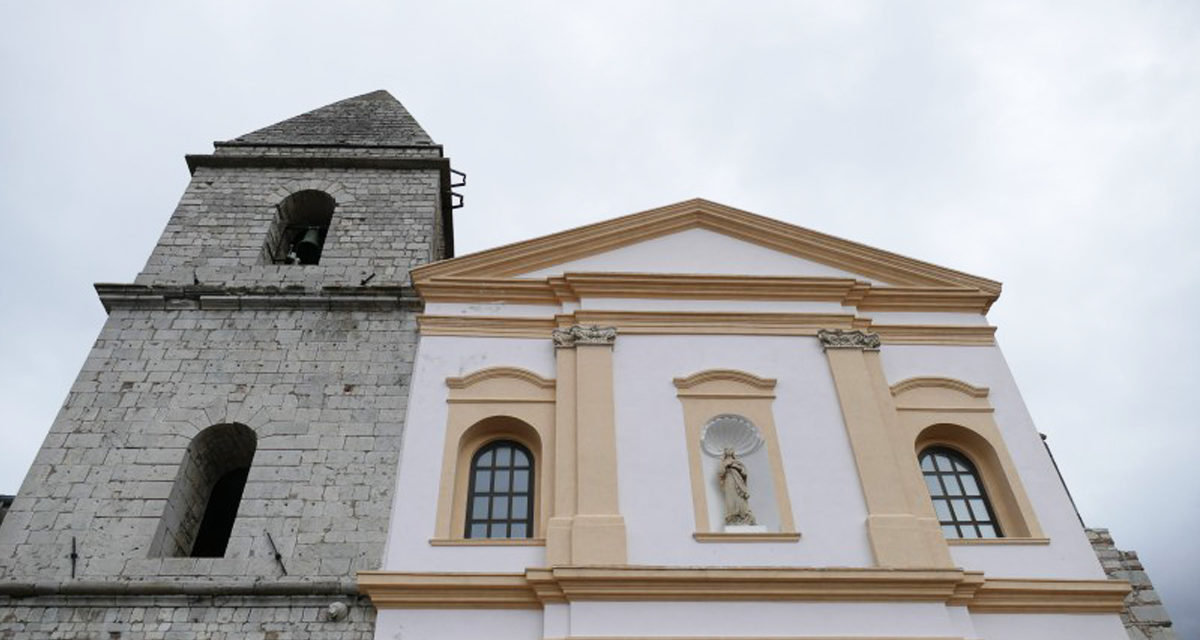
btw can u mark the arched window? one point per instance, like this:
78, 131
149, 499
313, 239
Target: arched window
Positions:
298, 235
198, 518
500, 497
959, 499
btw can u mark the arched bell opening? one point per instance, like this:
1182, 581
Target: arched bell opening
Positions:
301, 227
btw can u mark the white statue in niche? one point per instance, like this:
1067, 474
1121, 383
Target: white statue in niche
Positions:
735, 486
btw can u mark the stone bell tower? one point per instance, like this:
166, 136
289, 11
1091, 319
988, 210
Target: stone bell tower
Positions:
224, 463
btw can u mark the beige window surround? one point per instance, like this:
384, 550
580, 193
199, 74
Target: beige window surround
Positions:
937, 411
499, 403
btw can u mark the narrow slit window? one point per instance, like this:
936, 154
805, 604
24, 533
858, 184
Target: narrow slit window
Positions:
500, 496
959, 500
199, 515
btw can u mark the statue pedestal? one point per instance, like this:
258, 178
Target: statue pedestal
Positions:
745, 528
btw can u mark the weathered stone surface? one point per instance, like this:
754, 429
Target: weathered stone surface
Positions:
372, 119
183, 618
313, 362
385, 223
1145, 617
324, 391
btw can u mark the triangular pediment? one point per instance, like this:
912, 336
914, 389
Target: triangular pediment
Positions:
702, 237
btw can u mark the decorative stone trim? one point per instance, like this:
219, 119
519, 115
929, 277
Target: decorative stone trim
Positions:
494, 373
899, 271
487, 542
933, 382
132, 296
538, 586
577, 335
703, 536
163, 587
995, 542
712, 375
842, 339
572, 287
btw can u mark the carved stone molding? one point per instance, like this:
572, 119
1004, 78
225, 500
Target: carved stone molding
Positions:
577, 335
842, 339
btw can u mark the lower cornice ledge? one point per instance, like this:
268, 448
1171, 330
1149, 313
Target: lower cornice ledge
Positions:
538, 586
395, 590
1014, 595
757, 638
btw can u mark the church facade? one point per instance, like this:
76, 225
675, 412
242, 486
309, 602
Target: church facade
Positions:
306, 419
697, 422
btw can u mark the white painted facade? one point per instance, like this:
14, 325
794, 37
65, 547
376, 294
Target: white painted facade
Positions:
654, 481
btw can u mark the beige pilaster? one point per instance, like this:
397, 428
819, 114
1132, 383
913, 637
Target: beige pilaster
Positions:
558, 530
588, 499
902, 533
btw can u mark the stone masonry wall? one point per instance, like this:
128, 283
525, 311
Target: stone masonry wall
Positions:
1145, 617
183, 618
384, 224
325, 392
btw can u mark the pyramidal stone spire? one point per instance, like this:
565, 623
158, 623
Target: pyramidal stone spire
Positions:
375, 119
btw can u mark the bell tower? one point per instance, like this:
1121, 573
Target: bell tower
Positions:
350, 191
225, 460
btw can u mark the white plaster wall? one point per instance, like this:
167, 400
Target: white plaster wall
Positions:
696, 251
1049, 626
458, 624
414, 509
493, 309
1068, 554
654, 480
723, 306
761, 619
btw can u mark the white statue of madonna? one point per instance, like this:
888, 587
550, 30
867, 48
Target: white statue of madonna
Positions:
729, 439
735, 486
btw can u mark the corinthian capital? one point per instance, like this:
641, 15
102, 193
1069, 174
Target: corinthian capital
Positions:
841, 339
576, 335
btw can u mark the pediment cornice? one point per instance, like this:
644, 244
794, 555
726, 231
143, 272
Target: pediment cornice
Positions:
513, 260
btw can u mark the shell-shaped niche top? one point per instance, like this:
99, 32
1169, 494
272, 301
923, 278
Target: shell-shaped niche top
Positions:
729, 431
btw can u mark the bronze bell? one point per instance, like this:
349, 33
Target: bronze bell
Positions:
308, 249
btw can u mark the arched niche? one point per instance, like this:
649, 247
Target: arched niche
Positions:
199, 515
738, 400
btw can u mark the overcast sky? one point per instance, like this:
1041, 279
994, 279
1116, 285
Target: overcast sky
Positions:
1053, 148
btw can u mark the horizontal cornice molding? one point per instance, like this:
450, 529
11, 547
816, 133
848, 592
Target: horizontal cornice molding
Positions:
133, 296
195, 161
1050, 596
537, 587
724, 637
181, 587
702, 323
571, 287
